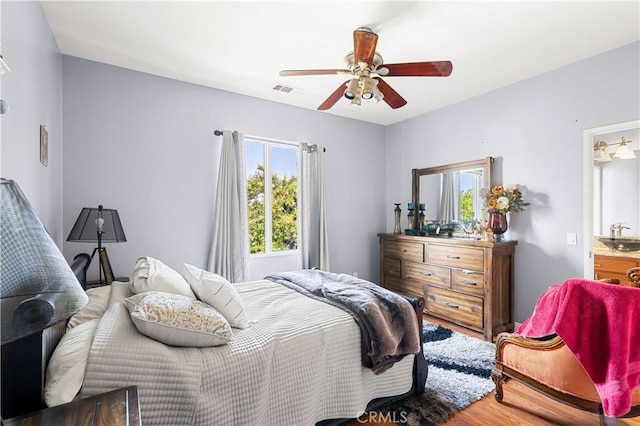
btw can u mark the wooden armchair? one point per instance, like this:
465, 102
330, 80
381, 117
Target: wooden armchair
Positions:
548, 366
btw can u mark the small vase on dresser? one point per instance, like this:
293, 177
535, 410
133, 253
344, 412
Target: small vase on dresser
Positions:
497, 222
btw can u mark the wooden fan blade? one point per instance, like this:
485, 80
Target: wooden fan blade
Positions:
333, 98
391, 97
364, 45
289, 73
418, 69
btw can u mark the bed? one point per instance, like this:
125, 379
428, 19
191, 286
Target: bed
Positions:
298, 361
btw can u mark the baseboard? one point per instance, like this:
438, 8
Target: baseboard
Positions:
517, 325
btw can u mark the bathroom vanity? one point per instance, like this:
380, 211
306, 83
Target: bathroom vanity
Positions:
611, 263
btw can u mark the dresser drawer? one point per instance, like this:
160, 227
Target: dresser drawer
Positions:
457, 257
613, 264
392, 267
407, 287
404, 250
455, 307
427, 274
467, 281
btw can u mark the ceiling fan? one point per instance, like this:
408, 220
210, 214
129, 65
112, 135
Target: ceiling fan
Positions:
365, 65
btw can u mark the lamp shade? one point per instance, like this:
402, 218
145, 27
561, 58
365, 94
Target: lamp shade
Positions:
86, 226
38, 287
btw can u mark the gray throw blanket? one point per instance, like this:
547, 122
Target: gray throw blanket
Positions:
387, 320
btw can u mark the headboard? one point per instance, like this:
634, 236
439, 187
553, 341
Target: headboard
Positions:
24, 361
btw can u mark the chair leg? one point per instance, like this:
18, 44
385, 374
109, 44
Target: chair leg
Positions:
607, 421
498, 378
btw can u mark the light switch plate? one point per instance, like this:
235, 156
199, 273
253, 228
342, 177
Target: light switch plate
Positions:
572, 238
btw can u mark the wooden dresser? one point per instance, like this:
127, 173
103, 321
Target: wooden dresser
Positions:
466, 282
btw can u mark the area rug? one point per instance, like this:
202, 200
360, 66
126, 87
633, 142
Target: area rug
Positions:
459, 374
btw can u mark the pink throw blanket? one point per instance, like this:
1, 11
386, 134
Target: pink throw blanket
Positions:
600, 324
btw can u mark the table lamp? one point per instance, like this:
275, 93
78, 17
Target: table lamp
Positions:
102, 226
39, 289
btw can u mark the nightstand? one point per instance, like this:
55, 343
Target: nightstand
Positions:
118, 407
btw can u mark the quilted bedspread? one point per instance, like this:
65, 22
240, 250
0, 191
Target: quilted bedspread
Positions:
297, 363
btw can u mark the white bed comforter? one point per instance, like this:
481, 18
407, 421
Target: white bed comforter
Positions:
298, 363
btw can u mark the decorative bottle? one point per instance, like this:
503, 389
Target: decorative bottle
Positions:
421, 224
397, 229
411, 216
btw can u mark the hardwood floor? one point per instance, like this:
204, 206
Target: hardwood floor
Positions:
520, 406
524, 406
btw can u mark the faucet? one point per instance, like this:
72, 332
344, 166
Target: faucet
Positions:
615, 230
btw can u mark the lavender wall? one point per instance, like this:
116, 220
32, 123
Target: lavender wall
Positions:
144, 145
535, 130
33, 91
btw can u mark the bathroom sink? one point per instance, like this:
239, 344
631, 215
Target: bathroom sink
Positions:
621, 244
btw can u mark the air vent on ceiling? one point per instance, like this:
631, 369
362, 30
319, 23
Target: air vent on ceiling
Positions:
282, 88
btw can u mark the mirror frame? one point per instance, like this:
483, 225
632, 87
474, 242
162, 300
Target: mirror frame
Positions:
485, 164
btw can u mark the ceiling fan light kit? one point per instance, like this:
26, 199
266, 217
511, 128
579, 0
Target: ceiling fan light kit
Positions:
366, 66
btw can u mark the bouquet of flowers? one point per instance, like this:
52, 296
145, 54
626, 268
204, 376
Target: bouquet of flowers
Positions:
504, 199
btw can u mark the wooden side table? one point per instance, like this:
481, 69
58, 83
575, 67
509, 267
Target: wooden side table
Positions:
115, 408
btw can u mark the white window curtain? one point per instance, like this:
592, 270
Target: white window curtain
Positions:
229, 254
313, 243
449, 202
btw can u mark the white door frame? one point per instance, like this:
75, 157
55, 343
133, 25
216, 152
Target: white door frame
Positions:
589, 138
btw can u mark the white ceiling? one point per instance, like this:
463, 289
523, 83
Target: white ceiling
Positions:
240, 46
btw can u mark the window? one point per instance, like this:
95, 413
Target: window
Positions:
470, 197
272, 195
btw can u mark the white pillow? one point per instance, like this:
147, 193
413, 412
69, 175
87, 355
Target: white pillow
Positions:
95, 307
178, 320
215, 290
65, 371
150, 274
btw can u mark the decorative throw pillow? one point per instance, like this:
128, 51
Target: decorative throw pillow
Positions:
215, 290
150, 274
95, 307
178, 320
65, 371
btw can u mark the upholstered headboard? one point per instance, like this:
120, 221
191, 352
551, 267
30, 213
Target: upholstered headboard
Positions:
24, 361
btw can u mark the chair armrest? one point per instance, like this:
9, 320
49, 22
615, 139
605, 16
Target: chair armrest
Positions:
546, 343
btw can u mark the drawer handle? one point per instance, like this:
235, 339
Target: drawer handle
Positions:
469, 283
403, 250
428, 274
451, 305
452, 257
596, 264
467, 272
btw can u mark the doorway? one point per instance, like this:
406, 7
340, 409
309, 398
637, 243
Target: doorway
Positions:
610, 134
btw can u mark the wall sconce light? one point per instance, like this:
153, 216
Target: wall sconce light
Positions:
623, 152
600, 155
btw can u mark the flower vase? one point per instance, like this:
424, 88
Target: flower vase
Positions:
498, 224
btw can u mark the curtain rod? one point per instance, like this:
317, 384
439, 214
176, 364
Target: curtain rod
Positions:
219, 133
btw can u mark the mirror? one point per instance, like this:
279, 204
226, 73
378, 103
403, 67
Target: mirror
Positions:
450, 195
